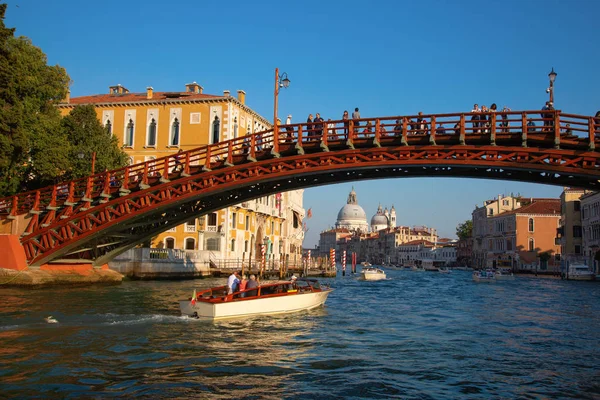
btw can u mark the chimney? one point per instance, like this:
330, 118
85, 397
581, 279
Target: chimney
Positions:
119, 89
226, 93
149, 90
67, 98
193, 88
241, 96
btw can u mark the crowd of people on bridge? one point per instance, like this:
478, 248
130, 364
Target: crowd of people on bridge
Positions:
478, 121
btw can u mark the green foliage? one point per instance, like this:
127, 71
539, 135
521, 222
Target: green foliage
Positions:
29, 90
86, 135
37, 146
545, 256
465, 230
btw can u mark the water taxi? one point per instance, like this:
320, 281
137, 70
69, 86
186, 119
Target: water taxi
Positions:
372, 274
484, 276
579, 272
274, 298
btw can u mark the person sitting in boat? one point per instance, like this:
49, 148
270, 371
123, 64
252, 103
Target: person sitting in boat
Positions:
243, 283
292, 286
233, 282
251, 284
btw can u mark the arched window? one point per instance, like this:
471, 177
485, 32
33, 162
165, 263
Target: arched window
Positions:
151, 133
530, 224
129, 133
169, 243
531, 244
108, 126
216, 130
175, 132
190, 244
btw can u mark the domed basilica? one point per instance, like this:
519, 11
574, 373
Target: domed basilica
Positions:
353, 217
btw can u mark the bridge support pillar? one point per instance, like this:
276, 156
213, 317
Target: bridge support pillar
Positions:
13, 253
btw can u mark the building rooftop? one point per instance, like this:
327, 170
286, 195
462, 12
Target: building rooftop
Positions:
139, 97
537, 206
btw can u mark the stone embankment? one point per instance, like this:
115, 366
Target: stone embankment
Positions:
39, 278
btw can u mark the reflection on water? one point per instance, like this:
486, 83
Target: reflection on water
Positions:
415, 335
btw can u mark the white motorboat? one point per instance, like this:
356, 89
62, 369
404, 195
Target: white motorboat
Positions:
484, 276
580, 272
417, 268
504, 274
372, 274
274, 298
444, 270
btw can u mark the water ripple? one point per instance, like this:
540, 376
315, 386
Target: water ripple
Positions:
413, 336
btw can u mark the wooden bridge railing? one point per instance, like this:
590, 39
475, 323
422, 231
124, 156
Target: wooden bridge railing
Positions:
552, 127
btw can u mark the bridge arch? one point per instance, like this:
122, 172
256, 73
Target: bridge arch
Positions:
96, 218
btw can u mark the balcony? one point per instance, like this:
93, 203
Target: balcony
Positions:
211, 228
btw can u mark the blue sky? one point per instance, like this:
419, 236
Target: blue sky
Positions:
387, 58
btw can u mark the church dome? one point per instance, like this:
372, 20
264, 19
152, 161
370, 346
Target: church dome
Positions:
352, 212
379, 219
352, 216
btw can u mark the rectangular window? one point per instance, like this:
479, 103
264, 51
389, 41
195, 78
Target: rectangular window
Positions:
195, 118
233, 220
577, 249
576, 231
247, 222
577, 205
245, 246
232, 244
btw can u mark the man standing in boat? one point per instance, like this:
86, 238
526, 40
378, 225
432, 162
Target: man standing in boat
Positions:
233, 282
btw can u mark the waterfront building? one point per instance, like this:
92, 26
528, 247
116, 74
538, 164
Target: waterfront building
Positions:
464, 251
519, 238
590, 225
156, 124
481, 227
569, 230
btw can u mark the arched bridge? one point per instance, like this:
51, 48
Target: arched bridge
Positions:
95, 218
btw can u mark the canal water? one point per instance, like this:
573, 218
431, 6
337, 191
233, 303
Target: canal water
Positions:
417, 335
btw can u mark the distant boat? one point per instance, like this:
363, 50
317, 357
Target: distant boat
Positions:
51, 320
484, 276
444, 270
372, 274
580, 272
365, 264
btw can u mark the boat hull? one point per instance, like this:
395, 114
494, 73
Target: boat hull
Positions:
235, 308
372, 277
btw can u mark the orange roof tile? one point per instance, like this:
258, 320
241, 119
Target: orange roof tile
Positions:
539, 206
139, 97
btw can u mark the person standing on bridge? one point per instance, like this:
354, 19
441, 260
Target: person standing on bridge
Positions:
475, 118
318, 125
346, 123
356, 117
309, 127
398, 128
289, 130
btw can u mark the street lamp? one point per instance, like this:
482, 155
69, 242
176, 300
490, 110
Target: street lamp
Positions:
281, 81
81, 156
552, 77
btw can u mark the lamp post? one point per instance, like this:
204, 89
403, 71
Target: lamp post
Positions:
550, 90
81, 155
281, 81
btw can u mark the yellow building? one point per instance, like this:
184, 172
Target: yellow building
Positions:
153, 124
